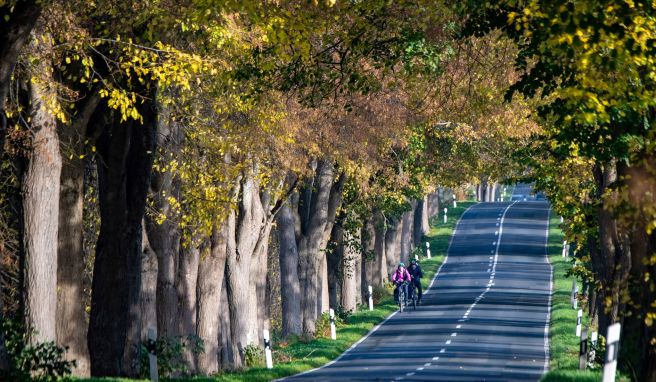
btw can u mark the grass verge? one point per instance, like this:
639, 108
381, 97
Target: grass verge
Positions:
563, 342
300, 356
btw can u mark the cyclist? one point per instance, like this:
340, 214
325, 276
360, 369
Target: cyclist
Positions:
416, 273
400, 277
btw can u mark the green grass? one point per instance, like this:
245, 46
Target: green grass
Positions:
564, 344
301, 356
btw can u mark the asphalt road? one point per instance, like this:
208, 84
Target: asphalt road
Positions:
486, 316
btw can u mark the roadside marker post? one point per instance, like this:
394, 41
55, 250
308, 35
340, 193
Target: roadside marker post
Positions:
267, 349
455, 204
562, 219
579, 317
583, 349
612, 349
333, 334
593, 347
565, 251
371, 298
416, 257
575, 291
151, 346
445, 211
428, 254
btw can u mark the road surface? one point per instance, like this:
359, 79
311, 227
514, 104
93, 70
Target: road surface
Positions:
486, 316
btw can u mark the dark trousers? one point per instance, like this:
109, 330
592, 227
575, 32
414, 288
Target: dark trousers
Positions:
417, 283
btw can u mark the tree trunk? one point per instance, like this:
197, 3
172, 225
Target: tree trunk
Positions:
317, 209
406, 235
40, 189
148, 288
124, 175
289, 283
392, 245
187, 286
420, 221
433, 205
226, 357
244, 231
71, 317
335, 256
210, 282
258, 285
351, 262
16, 24
165, 236
380, 262
369, 258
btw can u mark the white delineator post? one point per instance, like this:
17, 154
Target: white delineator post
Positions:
416, 257
333, 333
562, 219
428, 250
152, 354
455, 204
371, 298
579, 317
583, 349
612, 349
267, 349
445, 211
565, 248
575, 292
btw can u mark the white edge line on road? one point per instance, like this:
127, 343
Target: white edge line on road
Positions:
345, 352
547, 352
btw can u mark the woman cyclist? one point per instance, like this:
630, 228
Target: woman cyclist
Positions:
401, 277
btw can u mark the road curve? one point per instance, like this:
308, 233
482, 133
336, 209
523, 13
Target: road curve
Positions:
485, 318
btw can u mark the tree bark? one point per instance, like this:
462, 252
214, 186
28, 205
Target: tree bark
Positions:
433, 205
187, 299
210, 282
421, 227
351, 260
71, 317
335, 255
406, 235
289, 282
392, 244
124, 175
368, 260
148, 296
226, 357
258, 284
317, 208
165, 237
244, 230
380, 262
41, 187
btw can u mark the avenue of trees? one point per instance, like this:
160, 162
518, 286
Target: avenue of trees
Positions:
214, 168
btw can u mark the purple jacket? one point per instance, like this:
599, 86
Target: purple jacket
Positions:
401, 275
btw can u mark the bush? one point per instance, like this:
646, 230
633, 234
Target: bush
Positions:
43, 362
170, 355
380, 293
253, 355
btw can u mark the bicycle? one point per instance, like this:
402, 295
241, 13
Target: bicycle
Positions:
401, 296
412, 295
